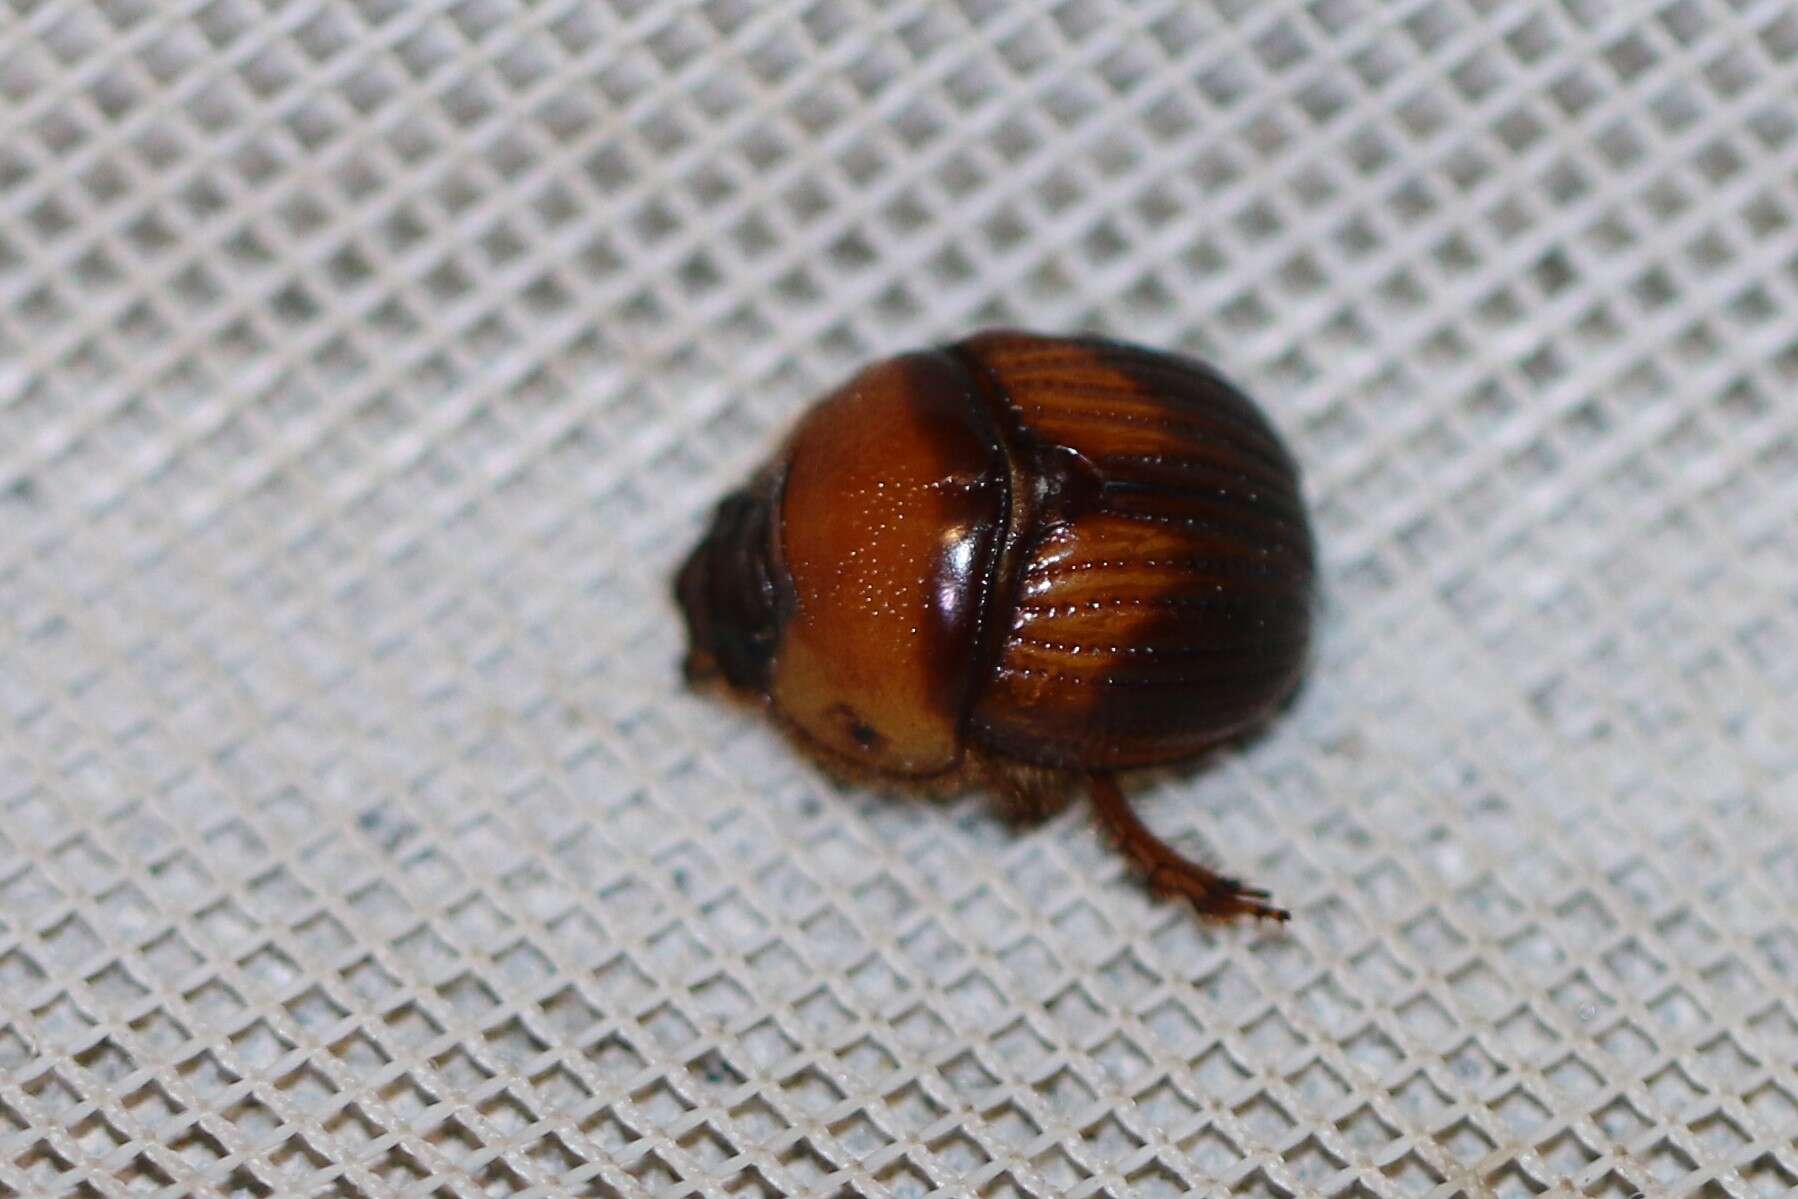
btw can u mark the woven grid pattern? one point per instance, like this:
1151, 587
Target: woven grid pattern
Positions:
366, 366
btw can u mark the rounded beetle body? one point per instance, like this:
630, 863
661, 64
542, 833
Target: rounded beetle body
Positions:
1034, 557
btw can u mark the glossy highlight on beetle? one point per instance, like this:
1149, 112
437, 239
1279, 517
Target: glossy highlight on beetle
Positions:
1020, 561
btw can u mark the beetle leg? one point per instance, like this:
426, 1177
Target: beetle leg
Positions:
1167, 872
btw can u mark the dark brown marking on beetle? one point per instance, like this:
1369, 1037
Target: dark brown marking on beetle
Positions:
860, 731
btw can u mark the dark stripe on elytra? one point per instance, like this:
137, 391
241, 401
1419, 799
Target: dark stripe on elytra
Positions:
1143, 364
1222, 599
1202, 466
1195, 396
1260, 509
1200, 395
1167, 630
1200, 429
1170, 646
1171, 629
1256, 672
1033, 355
1197, 595
1151, 378
1122, 357
1234, 643
1218, 396
1291, 536
1233, 562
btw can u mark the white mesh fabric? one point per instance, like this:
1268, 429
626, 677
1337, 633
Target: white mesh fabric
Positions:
365, 367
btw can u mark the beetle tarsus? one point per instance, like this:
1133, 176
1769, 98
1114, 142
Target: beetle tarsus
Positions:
1168, 873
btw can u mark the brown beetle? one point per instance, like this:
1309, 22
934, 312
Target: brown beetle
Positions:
1020, 560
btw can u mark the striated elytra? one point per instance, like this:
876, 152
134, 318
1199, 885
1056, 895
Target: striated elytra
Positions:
1023, 562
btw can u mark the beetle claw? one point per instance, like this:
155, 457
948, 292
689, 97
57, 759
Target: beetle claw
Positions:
1211, 894
1167, 873
1240, 903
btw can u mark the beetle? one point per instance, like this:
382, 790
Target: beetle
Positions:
1020, 561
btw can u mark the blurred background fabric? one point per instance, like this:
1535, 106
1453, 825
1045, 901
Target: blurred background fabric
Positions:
367, 366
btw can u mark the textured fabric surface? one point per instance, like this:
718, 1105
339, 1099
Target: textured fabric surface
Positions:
366, 366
